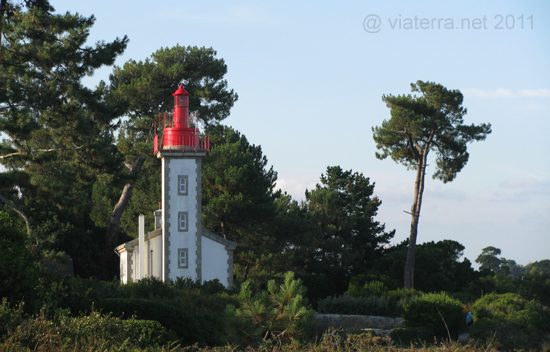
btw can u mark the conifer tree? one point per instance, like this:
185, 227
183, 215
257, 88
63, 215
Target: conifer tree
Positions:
57, 134
431, 121
346, 236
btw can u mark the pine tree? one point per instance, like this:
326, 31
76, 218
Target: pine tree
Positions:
58, 134
434, 122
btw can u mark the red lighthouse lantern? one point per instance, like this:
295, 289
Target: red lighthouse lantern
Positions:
181, 107
179, 133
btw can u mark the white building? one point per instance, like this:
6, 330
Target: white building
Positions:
178, 247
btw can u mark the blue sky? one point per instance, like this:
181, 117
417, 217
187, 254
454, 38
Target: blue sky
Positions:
310, 76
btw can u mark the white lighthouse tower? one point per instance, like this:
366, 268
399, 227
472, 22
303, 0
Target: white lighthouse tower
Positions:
182, 152
179, 247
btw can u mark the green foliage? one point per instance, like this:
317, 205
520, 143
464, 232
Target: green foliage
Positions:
185, 307
58, 134
238, 199
10, 317
535, 286
148, 85
369, 288
237, 186
62, 328
407, 337
331, 341
210, 287
371, 305
279, 314
345, 239
514, 322
439, 266
437, 312
539, 267
489, 260
373, 298
432, 121
19, 272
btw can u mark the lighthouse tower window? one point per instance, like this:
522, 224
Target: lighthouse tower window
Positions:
182, 258
182, 221
182, 185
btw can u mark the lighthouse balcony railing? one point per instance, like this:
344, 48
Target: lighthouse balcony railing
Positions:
181, 143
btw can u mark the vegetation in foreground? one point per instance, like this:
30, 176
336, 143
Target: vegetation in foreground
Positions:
86, 314
330, 341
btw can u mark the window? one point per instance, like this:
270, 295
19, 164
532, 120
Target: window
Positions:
182, 221
182, 258
182, 185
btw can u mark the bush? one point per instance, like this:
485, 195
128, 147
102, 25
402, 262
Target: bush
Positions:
355, 305
210, 287
282, 314
62, 328
361, 287
407, 336
369, 288
10, 317
19, 270
513, 321
400, 298
191, 326
437, 312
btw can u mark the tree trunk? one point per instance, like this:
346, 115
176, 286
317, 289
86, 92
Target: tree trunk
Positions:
20, 212
111, 236
415, 211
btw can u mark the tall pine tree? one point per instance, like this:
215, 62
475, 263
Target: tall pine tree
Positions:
57, 134
432, 121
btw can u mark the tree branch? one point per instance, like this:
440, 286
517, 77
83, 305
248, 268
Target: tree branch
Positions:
19, 211
39, 151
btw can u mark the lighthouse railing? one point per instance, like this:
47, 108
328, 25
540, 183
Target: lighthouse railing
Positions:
165, 139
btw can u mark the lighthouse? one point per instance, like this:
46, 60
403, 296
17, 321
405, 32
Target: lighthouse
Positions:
178, 247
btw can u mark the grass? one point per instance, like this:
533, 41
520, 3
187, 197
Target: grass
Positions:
332, 340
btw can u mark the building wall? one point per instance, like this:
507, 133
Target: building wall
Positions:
216, 262
156, 247
124, 267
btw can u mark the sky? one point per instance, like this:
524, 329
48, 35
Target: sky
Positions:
310, 76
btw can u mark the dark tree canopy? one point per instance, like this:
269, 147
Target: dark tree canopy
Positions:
57, 134
238, 186
238, 196
431, 121
489, 260
346, 238
148, 85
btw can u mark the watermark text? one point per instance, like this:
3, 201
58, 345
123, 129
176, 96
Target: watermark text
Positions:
374, 24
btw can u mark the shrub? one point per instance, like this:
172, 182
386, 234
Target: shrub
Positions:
377, 291
19, 270
62, 328
437, 312
513, 321
191, 326
355, 305
10, 317
369, 288
279, 314
210, 287
399, 299
407, 336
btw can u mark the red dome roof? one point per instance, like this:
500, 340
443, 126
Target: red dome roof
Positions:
180, 91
